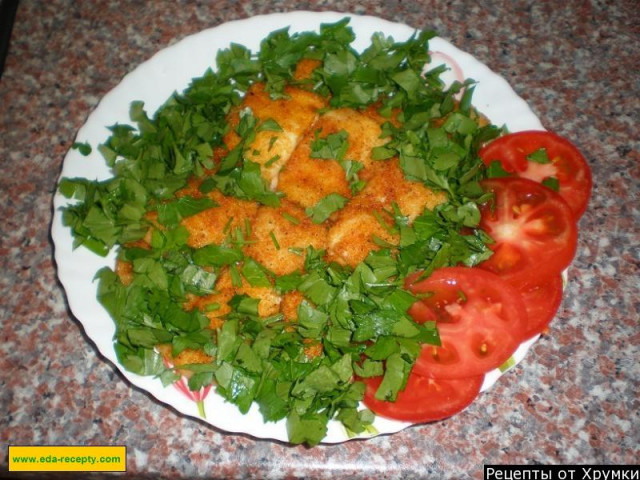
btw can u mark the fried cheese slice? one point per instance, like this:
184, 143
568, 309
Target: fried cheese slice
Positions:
211, 226
272, 149
187, 357
289, 305
363, 133
306, 180
280, 236
354, 234
214, 305
224, 291
388, 185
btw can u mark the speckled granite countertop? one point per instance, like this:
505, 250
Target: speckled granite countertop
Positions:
574, 399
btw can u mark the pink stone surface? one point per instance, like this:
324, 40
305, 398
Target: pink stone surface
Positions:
574, 399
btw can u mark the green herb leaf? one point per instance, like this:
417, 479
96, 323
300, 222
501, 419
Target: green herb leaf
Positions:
322, 210
495, 170
539, 156
83, 148
317, 289
395, 378
289, 282
217, 256
291, 218
255, 273
310, 428
332, 147
269, 125
312, 321
552, 183
170, 214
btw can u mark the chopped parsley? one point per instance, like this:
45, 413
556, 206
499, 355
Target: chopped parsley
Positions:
290, 218
334, 147
84, 148
322, 210
539, 156
552, 183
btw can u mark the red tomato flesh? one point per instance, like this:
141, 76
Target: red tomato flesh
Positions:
480, 318
424, 399
541, 302
533, 228
567, 164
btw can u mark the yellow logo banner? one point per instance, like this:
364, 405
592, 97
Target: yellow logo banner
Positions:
45, 458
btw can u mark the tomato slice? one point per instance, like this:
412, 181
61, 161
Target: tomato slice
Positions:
424, 399
541, 302
481, 320
533, 228
565, 163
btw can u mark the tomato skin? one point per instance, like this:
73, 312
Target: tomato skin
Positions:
480, 319
567, 165
534, 231
542, 303
424, 399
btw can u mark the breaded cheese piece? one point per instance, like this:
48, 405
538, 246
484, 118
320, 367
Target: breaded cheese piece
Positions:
289, 227
187, 357
224, 292
304, 68
289, 305
388, 184
351, 237
204, 303
272, 149
269, 298
212, 225
306, 180
124, 271
363, 133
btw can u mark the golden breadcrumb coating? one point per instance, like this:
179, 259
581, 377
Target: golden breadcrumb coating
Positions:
351, 237
269, 298
306, 180
305, 68
363, 132
273, 226
214, 305
124, 270
212, 225
272, 149
388, 185
289, 305
313, 348
186, 357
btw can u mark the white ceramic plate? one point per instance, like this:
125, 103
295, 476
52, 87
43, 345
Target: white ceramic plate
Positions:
172, 70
